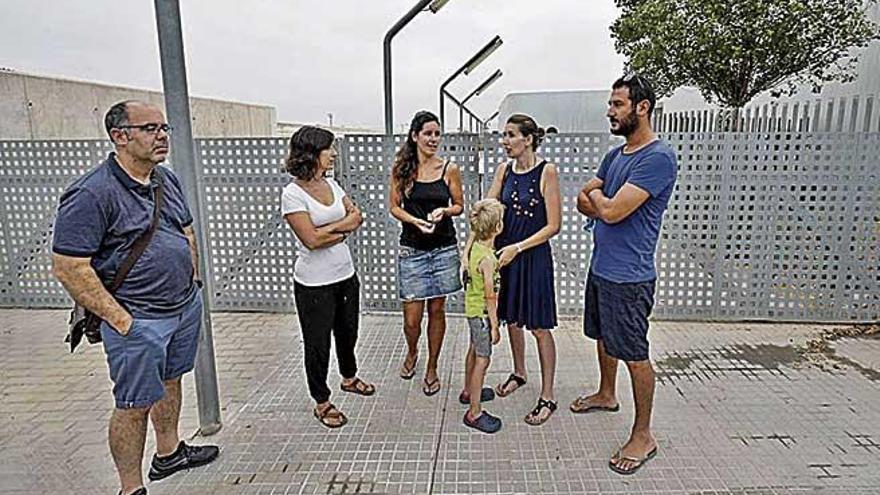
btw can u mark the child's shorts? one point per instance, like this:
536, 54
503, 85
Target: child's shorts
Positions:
481, 336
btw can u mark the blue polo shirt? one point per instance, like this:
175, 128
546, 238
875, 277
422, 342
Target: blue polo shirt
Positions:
624, 252
102, 214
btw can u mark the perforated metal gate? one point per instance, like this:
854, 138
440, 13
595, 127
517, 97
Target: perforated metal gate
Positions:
761, 226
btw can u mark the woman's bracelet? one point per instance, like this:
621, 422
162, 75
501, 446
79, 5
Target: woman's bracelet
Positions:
518, 247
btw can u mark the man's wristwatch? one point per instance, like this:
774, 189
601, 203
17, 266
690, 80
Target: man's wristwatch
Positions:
198, 282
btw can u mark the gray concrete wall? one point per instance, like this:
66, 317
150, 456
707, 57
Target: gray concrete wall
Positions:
37, 107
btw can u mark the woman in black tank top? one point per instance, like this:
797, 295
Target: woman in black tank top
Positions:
425, 194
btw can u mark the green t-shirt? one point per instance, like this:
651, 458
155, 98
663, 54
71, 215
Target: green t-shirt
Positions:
475, 296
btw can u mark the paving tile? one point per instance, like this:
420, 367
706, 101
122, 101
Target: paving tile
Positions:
740, 409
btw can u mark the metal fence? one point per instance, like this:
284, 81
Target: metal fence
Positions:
762, 226
855, 113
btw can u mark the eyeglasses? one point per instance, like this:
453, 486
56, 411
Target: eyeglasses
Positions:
149, 128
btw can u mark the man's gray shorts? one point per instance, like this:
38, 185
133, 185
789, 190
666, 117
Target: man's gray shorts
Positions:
481, 336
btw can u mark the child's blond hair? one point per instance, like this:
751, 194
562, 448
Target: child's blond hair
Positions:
485, 217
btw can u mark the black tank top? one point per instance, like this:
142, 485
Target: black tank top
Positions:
424, 198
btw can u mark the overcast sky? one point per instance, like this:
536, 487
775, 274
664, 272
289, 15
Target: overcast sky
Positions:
311, 57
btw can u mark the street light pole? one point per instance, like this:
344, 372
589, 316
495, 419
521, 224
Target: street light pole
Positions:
433, 6
467, 68
480, 89
455, 100
489, 119
189, 172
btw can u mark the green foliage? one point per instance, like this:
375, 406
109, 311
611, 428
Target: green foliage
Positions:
733, 50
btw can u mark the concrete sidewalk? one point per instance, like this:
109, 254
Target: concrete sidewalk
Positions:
740, 409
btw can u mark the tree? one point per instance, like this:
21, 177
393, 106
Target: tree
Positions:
733, 50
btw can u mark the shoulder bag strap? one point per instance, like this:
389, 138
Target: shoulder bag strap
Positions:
140, 245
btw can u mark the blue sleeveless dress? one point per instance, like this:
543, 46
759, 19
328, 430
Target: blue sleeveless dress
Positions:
527, 296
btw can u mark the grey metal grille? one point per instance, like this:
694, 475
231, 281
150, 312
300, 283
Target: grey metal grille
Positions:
780, 226
33, 174
252, 251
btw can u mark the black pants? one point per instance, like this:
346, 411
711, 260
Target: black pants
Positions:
322, 310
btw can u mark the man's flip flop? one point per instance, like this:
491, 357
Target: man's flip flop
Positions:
428, 387
637, 463
578, 407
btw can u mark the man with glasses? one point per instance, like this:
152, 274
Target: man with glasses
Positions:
151, 323
627, 198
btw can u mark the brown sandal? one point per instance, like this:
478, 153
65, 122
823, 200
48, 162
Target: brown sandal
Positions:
359, 387
331, 413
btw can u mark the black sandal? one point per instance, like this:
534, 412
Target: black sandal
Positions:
428, 387
501, 389
549, 404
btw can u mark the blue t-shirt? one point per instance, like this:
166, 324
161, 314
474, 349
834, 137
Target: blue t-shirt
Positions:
624, 252
101, 215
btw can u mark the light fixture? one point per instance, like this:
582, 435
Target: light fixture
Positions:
488, 82
436, 5
470, 65
483, 54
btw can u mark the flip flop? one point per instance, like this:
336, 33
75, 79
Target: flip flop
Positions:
501, 387
577, 407
408, 374
359, 387
428, 388
638, 463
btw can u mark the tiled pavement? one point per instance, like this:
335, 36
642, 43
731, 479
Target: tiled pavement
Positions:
740, 409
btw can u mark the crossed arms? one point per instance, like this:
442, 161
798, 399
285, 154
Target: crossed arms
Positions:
592, 202
326, 235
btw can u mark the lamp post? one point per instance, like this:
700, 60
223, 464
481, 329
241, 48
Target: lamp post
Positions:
432, 5
489, 119
466, 69
189, 170
477, 92
457, 102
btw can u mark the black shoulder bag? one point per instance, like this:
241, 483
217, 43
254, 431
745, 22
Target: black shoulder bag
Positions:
84, 322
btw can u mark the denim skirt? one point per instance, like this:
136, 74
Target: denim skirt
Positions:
427, 274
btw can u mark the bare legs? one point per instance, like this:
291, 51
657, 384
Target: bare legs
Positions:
412, 330
128, 432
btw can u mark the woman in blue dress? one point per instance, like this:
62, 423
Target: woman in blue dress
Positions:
529, 189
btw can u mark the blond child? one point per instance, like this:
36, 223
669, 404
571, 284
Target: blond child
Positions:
480, 303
